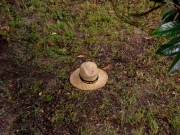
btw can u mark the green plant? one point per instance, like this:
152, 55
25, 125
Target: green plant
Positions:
152, 124
57, 117
47, 98
35, 87
170, 28
175, 123
83, 131
122, 118
63, 74
138, 132
136, 118
37, 133
23, 128
73, 116
37, 110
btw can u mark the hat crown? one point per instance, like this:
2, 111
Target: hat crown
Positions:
88, 77
89, 71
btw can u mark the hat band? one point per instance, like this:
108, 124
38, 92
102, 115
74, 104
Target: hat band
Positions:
88, 82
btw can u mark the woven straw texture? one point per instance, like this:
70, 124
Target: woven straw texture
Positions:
78, 83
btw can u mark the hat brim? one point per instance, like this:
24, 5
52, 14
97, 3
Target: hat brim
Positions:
78, 83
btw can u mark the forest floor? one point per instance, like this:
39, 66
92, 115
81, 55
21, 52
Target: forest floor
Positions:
42, 42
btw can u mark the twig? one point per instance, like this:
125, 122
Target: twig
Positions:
128, 20
147, 12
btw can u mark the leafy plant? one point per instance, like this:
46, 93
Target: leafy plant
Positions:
170, 28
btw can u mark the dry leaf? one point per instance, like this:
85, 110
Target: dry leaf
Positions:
42, 111
82, 5
178, 79
111, 11
147, 37
40, 93
10, 85
5, 28
81, 56
54, 33
51, 44
174, 93
109, 66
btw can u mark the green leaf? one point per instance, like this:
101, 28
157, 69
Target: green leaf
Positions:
175, 64
169, 29
171, 48
169, 16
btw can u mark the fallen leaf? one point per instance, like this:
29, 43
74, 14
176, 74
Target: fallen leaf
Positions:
42, 111
81, 56
147, 37
111, 11
125, 72
178, 79
40, 93
10, 85
174, 93
54, 33
51, 44
109, 66
169, 120
5, 28
82, 5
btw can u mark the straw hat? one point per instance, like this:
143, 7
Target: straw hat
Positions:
88, 77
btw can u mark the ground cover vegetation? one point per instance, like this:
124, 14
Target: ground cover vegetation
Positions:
43, 41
